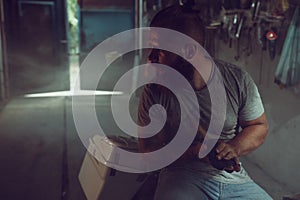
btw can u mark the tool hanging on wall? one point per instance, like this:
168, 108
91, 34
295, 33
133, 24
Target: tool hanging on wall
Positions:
238, 34
272, 41
257, 19
234, 31
264, 40
255, 7
248, 48
232, 28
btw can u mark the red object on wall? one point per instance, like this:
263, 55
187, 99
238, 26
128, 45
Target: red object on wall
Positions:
271, 35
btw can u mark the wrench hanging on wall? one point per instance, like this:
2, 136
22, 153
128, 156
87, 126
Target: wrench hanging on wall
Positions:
238, 34
234, 31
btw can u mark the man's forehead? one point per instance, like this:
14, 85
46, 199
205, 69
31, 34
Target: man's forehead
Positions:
154, 35
154, 39
161, 37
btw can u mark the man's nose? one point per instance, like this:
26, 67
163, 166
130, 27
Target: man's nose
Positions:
153, 56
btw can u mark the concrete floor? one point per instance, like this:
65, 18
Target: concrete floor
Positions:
41, 153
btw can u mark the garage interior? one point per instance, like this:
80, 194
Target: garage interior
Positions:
44, 42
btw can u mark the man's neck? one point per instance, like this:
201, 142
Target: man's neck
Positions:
200, 80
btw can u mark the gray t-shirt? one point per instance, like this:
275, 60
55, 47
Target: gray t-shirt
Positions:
243, 104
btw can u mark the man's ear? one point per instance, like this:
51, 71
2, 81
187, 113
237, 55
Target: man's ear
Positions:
189, 51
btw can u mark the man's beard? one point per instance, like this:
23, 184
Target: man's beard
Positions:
184, 68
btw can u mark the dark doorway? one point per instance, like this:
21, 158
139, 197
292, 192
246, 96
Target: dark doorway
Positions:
37, 31
37, 47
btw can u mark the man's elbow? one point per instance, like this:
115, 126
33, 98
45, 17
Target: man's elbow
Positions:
264, 133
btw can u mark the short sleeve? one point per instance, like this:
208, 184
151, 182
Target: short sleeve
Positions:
251, 107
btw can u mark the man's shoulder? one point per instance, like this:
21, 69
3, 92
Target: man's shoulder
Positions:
229, 70
226, 66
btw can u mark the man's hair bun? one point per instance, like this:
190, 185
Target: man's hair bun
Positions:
187, 5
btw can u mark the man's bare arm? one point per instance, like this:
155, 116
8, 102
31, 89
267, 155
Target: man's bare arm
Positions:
250, 138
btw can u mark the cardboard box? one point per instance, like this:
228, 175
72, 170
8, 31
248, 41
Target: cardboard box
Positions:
100, 182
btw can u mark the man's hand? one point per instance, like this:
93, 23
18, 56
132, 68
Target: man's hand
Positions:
224, 157
226, 150
236, 167
250, 138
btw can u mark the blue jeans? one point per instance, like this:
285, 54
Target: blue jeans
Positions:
185, 184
